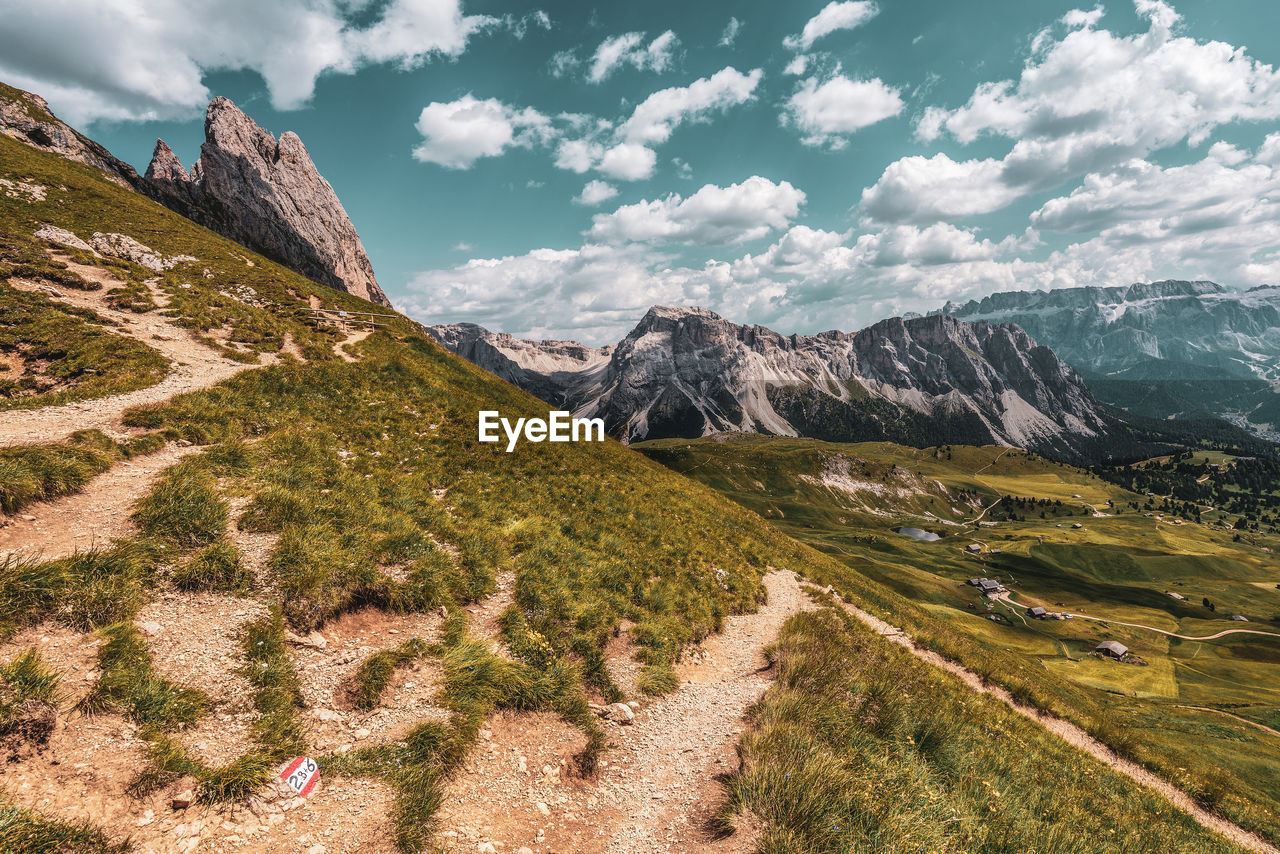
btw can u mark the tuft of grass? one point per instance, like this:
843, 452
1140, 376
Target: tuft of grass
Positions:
131, 686
277, 695
217, 566
657, 679
31, 473
28, 701
375, 673
84, 591
184, 508
236, 780
27, 677
28, 832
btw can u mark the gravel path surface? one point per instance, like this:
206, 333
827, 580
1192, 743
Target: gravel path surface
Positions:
194, 366
95, 516
658, 780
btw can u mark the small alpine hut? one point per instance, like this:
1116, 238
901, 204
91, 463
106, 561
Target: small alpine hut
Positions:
1038, 612
1115, 649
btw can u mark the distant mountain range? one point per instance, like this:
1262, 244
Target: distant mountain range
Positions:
1168, 349
686, 372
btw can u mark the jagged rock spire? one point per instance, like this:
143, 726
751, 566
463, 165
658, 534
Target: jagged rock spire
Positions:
268, 195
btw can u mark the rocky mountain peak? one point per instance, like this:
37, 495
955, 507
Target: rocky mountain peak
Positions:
685, 371
165, 165
1185, 349
267, 194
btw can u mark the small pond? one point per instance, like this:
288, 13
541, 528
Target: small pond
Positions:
918, 534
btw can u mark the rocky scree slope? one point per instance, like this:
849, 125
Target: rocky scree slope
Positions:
685, 372
1162, 349
268, 195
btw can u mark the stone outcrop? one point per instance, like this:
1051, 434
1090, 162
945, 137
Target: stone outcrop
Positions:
267, 195
26, 117
124, 246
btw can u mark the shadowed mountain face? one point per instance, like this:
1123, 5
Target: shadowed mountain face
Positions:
1164, 349
26, 117
685, 372
267, 195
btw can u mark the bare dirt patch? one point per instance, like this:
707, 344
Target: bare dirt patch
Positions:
619, 654
195, 642
327, 673
352, 338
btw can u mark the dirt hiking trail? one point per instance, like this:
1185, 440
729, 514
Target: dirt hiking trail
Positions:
194, 367
658, 779
95, 516
1070, 733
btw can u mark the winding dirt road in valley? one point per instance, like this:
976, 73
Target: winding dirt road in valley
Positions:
1005, 598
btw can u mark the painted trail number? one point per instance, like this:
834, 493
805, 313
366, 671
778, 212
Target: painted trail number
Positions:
301, 774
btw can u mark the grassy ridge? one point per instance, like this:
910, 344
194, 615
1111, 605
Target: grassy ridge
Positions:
859, 747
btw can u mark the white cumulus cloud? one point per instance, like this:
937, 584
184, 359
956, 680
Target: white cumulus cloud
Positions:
713, 215
923, 189
147, 59
834, 16
826, 112
629, 49
1083, 103
628, 161
458, 133
657, 116
596, 192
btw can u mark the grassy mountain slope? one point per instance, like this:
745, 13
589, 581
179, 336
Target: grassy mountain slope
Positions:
366, 484
848, 501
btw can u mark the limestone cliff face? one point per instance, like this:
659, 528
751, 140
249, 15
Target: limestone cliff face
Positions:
26, 117
268, 195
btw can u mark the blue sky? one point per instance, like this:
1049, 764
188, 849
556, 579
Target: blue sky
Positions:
552, 169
